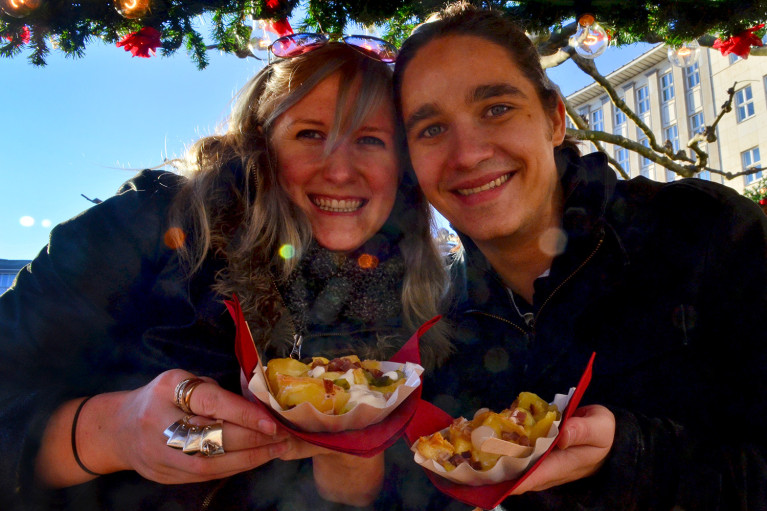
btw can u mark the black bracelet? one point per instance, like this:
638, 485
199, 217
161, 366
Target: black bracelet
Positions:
74, 438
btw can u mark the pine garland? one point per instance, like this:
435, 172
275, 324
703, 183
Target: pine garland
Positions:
73, 25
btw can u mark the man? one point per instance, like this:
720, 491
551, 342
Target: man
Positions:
667, 283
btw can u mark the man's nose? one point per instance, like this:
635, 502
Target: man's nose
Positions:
469, 146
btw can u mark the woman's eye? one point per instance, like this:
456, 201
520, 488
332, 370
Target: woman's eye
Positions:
496, 110
370, 140
432, 131
310, 134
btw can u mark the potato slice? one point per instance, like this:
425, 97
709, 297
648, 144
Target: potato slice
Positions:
287, 366
322, 394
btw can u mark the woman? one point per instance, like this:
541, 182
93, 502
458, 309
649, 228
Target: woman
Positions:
301, 211
666, 282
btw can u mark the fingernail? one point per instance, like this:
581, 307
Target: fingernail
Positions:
567, 436
267, 427
279, 449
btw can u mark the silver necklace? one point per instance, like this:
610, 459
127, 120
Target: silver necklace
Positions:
527, 317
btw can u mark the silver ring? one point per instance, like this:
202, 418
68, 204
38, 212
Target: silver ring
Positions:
212, 441
191, 438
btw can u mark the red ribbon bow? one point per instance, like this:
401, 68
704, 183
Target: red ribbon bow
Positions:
142, 42
739, 44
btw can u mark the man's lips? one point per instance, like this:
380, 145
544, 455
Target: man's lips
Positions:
337, 205
484, 187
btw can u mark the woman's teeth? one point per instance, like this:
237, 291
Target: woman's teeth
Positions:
338, 206
487, 186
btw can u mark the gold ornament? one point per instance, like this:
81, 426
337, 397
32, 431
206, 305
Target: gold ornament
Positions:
19, 8
132, 9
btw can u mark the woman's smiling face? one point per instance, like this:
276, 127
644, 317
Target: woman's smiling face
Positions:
347, 191
480, 140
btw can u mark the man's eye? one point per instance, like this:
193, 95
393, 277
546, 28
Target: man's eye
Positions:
432, 131
496, 110
370, 140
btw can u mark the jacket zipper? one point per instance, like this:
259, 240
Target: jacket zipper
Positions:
579, 268
531, 332
213, 492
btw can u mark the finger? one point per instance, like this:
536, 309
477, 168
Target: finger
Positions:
210, 400
198, 468
592, 425
237, 438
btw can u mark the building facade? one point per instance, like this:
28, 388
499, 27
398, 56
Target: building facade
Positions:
678, 102
8, 270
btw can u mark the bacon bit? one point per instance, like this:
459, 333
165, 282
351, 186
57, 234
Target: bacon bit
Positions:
342, 365
519, 416
457, 459
328, 386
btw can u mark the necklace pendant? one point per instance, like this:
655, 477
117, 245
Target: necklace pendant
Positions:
528, 317
295, 353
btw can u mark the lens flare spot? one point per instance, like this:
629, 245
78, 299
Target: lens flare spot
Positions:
174, 238
287, 251
367, 261
46, 223
553, 241
27, 221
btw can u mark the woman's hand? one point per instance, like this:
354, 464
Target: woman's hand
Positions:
583, 446
339, 477
124, 431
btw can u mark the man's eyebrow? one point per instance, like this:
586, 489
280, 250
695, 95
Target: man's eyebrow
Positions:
424, 112
494, 90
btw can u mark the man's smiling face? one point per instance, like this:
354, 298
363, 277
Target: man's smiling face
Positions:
480, 140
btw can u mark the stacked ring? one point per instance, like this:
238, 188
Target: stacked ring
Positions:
191, 438
183, 393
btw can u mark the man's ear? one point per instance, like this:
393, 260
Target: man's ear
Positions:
558, 125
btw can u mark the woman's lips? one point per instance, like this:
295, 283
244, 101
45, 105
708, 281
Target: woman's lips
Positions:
487, 186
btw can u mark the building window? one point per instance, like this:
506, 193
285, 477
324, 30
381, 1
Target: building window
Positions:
692, 75
667, 87
6, 279
750, 160
744, 102
597, 120
697, 123
622, 157
619, 122
705, 175
671, 134
643, 100
645, 162
670, 176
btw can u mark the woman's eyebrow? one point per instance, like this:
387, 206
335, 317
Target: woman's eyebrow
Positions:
493, 90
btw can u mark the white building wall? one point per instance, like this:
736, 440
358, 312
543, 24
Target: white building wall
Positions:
716, 75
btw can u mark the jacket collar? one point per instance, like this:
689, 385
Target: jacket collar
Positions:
588, 184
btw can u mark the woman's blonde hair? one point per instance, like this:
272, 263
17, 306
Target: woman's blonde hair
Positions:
233, 208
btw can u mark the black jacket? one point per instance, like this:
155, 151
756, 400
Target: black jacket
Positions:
667, 283
106, 307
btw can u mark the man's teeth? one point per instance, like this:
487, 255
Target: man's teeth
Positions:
487, 186
338, 206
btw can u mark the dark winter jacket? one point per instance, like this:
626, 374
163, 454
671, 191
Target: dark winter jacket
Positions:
107, 307
667, 283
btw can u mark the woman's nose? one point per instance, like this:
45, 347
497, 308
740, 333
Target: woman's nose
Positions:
339, 165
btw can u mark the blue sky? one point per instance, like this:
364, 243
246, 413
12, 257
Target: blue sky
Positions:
84, 126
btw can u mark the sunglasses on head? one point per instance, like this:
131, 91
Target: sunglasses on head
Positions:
294, 45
